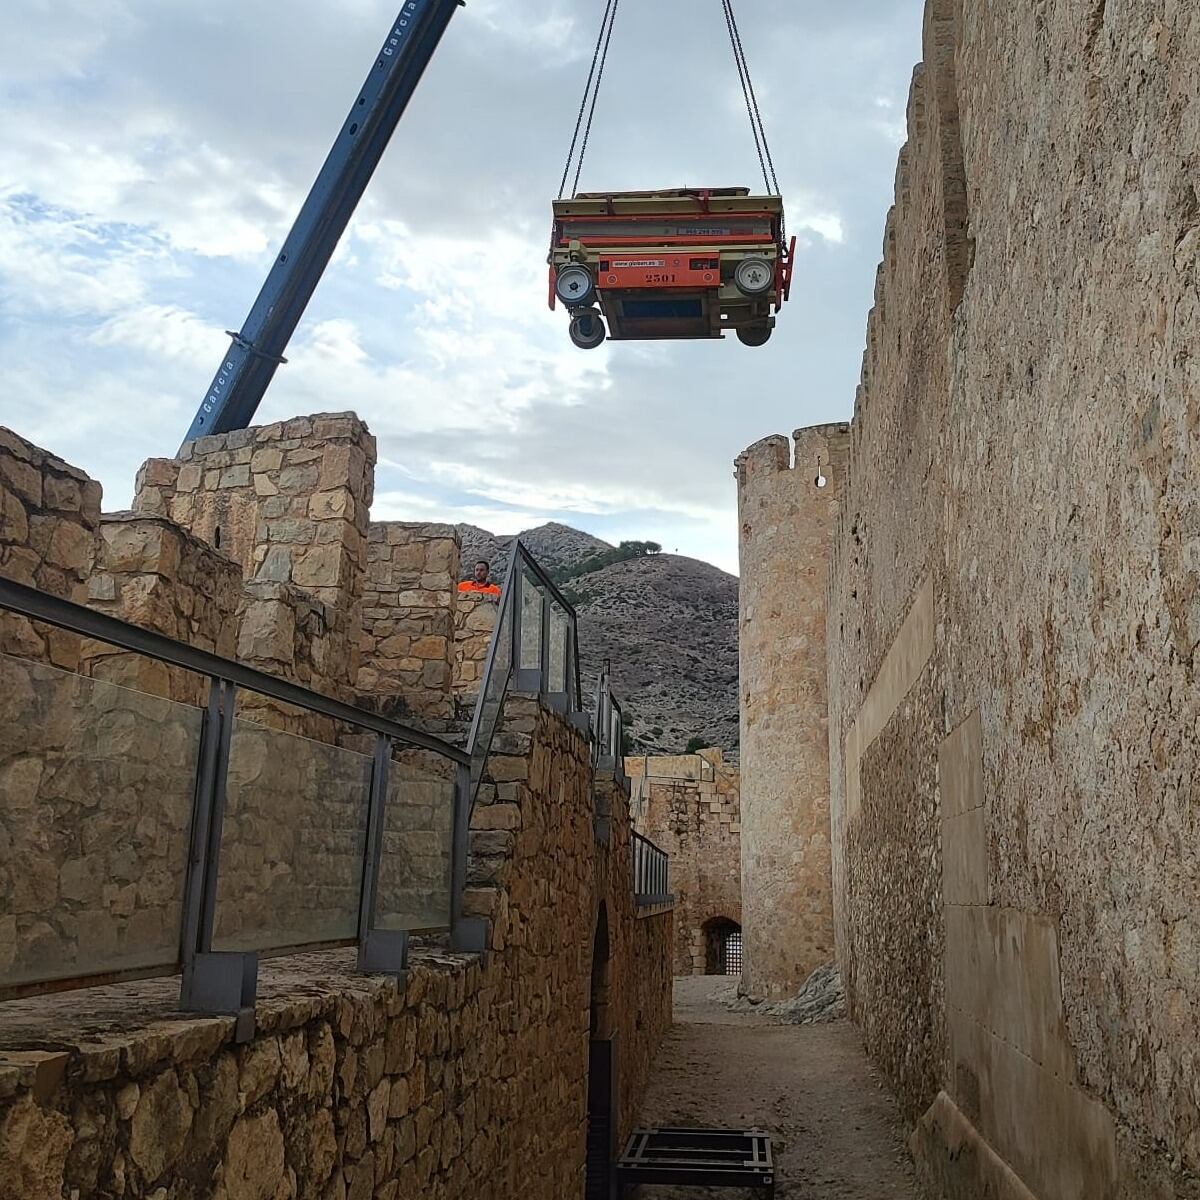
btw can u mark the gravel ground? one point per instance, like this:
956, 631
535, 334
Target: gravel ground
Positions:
835, 1129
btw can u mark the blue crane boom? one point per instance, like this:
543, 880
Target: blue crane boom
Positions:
257, 350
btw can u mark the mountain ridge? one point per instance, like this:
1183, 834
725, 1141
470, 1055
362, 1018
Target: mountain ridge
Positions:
666, 623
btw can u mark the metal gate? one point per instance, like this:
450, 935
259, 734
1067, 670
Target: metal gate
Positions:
731, 953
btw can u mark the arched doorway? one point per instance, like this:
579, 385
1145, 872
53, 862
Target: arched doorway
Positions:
722, 947
602, 1071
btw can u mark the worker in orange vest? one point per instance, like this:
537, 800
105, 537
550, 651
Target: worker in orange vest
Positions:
481, 584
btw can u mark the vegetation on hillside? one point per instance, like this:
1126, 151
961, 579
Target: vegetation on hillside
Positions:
597, 561
600, 559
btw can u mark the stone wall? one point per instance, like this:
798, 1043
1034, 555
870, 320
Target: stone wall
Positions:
786, 510
288, 501
409, 618
1014, 619
154, 574
462, 1079
474, 624
49, 513
639, 982
690, 806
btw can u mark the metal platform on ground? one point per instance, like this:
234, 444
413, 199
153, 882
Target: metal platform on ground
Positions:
715, 1158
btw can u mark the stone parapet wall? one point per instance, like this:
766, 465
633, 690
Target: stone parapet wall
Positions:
474, 623
640, 982
288, 633
49, 513
96, 788
464, 1080
156, 575
690, 806
408, 618
1013, 611
787, 504
289, 501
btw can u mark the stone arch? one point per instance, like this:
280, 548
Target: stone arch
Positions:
722, 946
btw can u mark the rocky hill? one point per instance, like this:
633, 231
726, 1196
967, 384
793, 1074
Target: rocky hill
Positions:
557, 547
666, 623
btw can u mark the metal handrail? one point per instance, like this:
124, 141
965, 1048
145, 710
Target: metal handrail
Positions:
53, 610
227, 981
492, 689
574, 688
651, 872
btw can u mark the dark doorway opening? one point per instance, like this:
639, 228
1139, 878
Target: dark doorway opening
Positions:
602, 1125
722, 947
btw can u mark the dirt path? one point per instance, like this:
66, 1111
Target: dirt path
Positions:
836, 1132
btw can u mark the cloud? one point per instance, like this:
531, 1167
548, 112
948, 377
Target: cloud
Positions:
155, 155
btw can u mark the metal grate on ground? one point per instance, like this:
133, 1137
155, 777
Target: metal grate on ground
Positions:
714, 1158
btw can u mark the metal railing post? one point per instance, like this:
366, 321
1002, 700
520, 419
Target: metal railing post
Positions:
544, 648
380, 951
213, 981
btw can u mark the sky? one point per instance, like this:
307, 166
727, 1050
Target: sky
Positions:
154, 155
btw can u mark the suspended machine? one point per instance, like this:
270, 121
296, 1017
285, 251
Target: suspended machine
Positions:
682, 263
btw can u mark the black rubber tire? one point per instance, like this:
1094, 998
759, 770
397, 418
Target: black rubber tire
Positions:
754, 335
587, 329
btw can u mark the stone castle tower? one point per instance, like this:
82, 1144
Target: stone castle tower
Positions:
787, 509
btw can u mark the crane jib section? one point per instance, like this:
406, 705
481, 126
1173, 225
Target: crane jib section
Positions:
257, 349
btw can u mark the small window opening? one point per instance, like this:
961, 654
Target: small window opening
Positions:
820, 480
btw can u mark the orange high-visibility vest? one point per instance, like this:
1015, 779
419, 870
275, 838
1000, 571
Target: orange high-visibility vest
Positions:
479, 589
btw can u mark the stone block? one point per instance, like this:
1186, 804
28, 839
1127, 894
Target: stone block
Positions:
333, 505
132, 544
235, 477
965, 858
21, 478
298, 480
267, 632
319, 567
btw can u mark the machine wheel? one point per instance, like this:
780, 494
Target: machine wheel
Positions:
587, 329
574, 286
754, 335
754, 276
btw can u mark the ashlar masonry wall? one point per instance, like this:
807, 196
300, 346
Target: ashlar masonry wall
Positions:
49, 514
465, 1078
289, 501
786, 509
462, 1080
1014, 612
409, 608
690, 806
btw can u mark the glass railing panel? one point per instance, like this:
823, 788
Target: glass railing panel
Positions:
491, 696
531, 622
293, 841
96, 791
418, 844
559, 634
